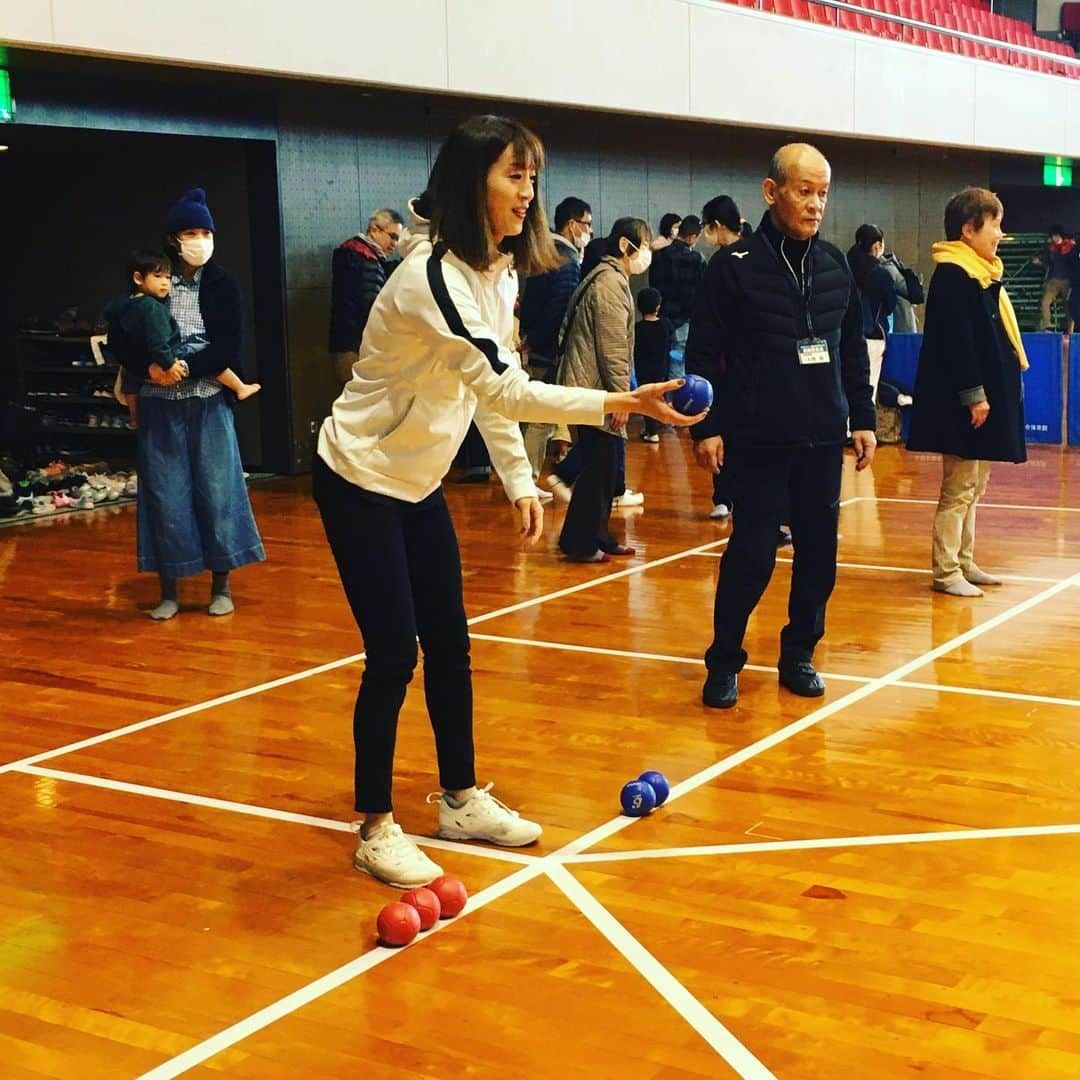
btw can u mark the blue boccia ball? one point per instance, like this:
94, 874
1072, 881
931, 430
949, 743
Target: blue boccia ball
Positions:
637, 798
659, 783
693, 397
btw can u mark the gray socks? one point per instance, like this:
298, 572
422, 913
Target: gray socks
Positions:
169, 605
220, 598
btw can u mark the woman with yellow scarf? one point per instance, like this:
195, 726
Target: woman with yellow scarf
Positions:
969, 393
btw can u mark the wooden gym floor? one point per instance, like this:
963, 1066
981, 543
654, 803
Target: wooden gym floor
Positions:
881, 882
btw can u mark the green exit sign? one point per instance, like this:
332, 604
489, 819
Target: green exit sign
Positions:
7, 105
1057, 172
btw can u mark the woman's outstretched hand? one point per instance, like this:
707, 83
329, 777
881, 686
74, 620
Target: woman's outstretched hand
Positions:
649, 401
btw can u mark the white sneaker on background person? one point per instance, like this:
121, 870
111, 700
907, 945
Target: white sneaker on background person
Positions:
720, 512
557, 487
629, 497
544, 495
389, 855
482, 817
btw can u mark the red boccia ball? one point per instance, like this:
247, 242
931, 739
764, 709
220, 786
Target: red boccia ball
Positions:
451, 893
427, 906
398, 924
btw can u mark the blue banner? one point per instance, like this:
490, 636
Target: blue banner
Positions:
1043, 383
1074, 394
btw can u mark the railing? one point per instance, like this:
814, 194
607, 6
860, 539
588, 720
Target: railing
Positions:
1051, 58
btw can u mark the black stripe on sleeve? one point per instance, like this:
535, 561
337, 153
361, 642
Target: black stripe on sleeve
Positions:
437, 282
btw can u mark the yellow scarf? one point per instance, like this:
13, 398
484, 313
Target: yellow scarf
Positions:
960, 254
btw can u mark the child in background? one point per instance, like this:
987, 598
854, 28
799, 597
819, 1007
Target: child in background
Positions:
143, 332
653, 339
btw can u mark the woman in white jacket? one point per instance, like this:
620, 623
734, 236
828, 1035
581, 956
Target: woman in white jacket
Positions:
437, 352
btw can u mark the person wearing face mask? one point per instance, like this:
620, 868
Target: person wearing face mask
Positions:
359, 269
193, 512
778, 331
543, 306
437, 352
596, 349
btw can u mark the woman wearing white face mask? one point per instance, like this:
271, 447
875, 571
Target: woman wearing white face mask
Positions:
596, 350
193, 509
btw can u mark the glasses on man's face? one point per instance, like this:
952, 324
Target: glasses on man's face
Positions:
393, 236
582, 221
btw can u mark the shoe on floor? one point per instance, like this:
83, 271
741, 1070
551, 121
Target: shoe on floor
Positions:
389, 855
783, 538
629, 497
980, 577
650, 438
959, 587
596, 556
221, 604
618, 549
720, 512
483, 817
800, 677
561, 490
544, 495
720, 691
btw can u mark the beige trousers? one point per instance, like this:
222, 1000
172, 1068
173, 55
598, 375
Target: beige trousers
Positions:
963, 482
1052, 290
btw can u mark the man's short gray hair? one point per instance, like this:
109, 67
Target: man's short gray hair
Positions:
384, 217
779, 162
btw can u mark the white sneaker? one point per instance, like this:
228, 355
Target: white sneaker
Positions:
389, 855
544, 495
650, 438
483, 817
720, 512
561, 491
629, 497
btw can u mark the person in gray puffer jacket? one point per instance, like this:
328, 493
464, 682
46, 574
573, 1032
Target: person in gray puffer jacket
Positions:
596, 349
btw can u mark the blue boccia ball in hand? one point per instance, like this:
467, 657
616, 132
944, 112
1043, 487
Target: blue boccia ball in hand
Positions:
637, 798
658, 782
693, 397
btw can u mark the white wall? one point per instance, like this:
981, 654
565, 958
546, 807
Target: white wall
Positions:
718, 62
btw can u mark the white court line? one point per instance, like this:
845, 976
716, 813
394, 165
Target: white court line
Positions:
825, 842
1011, 695
499, 854
224, 699
626, 654
602, 832
243, 1029
630, 655
982, 505
898, 569
176, 714
656, 975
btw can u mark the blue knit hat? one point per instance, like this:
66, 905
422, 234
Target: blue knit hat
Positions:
189, 212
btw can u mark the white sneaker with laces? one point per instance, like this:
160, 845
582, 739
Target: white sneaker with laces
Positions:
389, 855
719, 512
483, 817
629, 497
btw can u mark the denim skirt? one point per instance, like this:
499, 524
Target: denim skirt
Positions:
193, 508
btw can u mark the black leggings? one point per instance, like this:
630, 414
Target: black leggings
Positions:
585, 527
401, 570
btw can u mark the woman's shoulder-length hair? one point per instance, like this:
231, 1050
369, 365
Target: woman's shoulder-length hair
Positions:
459, 198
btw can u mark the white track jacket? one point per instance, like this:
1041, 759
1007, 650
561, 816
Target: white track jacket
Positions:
437, 352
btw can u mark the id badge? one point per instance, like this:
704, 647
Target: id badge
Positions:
813, 351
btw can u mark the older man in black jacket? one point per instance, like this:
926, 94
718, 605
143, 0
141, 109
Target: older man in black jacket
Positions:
777, 329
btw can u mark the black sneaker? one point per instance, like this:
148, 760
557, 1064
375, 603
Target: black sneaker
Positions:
801, 678
720, 691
